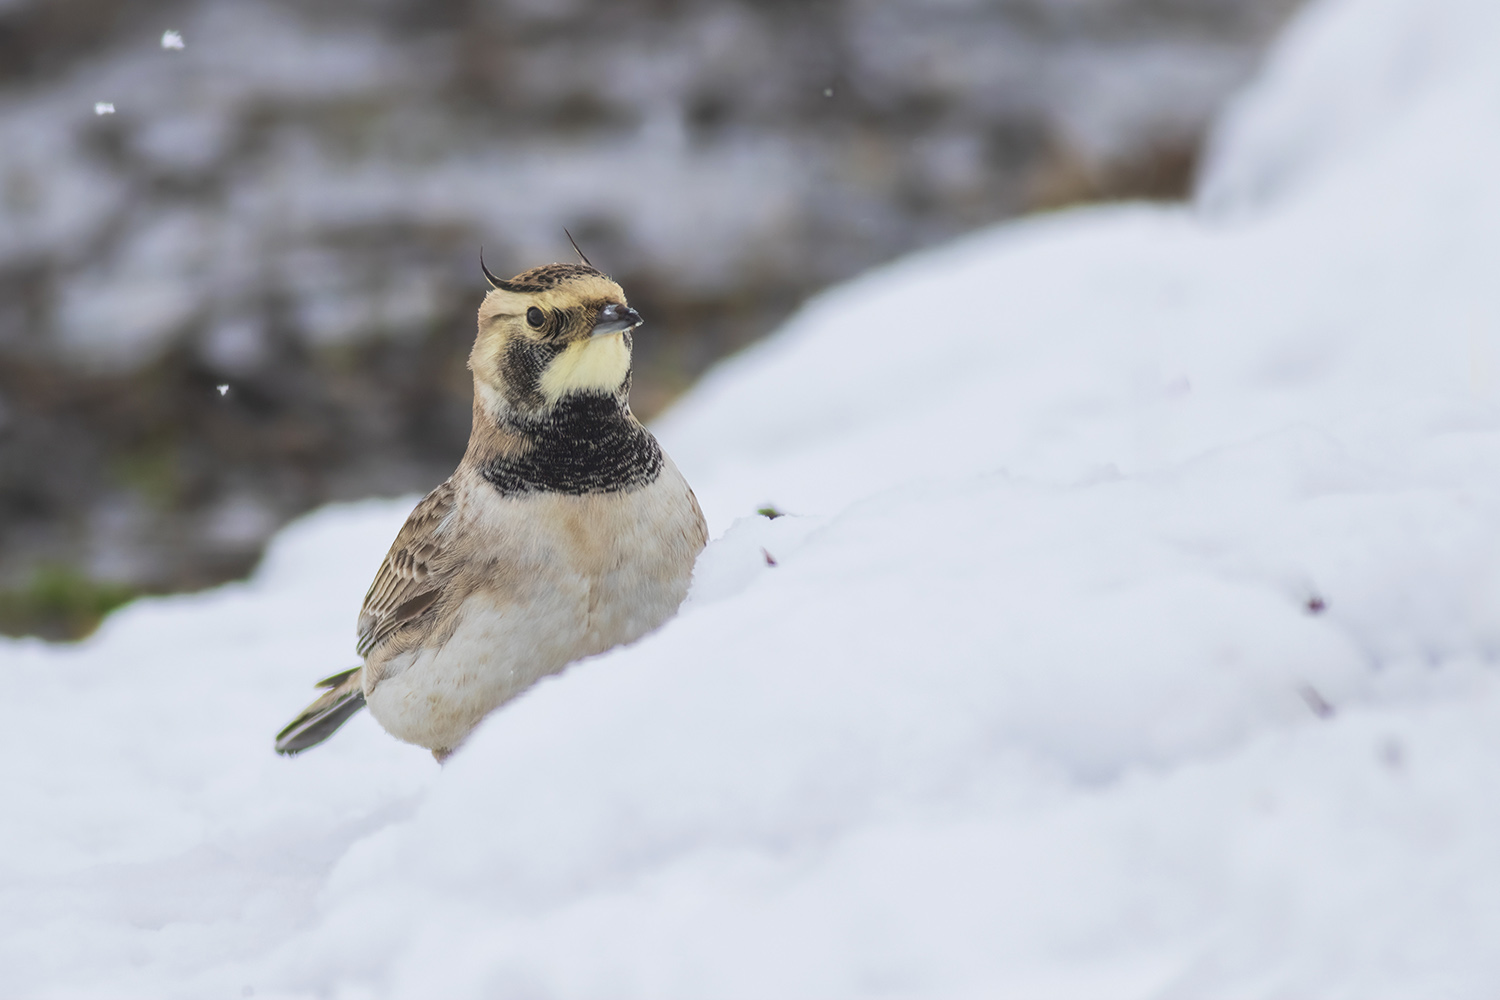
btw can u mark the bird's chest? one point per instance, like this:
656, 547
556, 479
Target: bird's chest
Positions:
554, 579
608, 567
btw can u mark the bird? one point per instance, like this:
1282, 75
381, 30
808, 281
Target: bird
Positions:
565, 531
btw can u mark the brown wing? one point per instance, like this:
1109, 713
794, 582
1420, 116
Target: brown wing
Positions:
414, 572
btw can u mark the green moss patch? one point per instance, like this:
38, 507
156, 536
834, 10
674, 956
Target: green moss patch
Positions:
60, 603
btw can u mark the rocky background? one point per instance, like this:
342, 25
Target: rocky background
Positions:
249, 288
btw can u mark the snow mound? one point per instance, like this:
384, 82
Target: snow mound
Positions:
1131, 633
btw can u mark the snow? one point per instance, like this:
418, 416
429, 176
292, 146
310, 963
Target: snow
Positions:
1132, 634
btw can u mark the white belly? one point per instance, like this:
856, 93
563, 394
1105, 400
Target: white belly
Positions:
614, 569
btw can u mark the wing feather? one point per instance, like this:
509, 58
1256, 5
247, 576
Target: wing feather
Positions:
414, 573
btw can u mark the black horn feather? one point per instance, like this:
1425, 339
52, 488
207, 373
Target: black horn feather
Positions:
500, 283
581, 255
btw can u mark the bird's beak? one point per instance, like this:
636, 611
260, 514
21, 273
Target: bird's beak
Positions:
615, 318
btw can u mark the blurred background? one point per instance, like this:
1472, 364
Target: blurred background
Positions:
238, 272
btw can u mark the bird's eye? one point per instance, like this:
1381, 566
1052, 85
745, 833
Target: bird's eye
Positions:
535, 318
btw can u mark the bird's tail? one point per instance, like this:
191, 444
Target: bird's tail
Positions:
345, 696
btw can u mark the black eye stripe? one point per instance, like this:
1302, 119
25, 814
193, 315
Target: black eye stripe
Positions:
521, 368
555, 322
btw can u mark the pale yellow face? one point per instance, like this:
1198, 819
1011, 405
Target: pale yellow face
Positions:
537, 346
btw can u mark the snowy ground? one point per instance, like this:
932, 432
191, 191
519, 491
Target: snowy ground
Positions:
1135, 637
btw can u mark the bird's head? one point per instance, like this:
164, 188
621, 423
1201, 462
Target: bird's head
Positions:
548, 333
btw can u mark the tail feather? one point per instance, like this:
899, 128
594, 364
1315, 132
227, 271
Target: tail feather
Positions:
320, 719
338, 678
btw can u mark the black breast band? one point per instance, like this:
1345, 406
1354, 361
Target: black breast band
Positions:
587, 443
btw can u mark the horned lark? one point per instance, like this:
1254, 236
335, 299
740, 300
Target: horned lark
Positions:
565, 530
